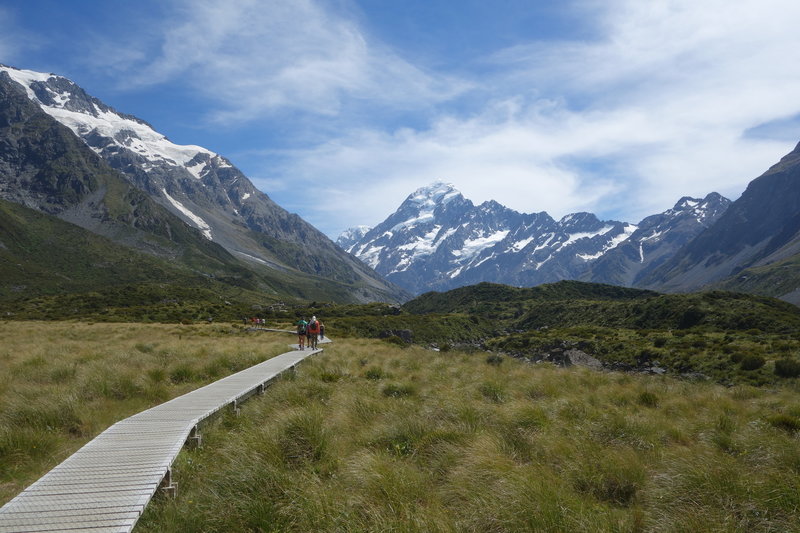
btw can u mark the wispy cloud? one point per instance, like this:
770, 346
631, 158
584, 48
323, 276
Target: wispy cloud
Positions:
667, 98
658, 106
252, 57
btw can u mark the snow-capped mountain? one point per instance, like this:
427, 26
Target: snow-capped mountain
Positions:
657, 239
351, 236
438, 240
199, 186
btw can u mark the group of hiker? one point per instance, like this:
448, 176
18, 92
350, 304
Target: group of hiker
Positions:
309, 332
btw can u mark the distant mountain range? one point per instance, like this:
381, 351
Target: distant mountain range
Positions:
69, 155
90, 197
438, 240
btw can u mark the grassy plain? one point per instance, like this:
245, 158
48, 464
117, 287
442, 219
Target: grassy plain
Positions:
62, 383
372, 436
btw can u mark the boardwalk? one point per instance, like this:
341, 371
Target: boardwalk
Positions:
105, 486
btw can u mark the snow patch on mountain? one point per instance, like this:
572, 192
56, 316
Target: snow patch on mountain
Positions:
473, 247
613, 243
124, 131
201, 224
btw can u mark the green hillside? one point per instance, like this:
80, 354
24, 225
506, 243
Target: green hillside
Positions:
485, 298
52, 269
721, 336
574, 303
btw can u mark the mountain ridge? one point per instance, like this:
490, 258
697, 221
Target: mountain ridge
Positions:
438, 240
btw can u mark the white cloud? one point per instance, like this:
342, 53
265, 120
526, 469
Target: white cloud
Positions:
253, 57
661, 101
655, 106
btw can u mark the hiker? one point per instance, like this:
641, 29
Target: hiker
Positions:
321, 329
301, 333
313, 331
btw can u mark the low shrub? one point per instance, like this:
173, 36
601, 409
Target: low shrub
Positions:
787, 368
181, 374
398, 391
648, 399
494, 359
785, 422
752, 362
492, 391
374, 373
394, 339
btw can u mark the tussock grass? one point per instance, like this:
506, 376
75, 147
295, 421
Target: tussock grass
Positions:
478, 447
374, 437
61, 384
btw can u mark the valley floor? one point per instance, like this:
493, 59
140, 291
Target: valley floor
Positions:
371, 436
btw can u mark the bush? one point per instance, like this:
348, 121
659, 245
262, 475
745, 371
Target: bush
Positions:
493, 392
648, 399
394, 339
494, 360
374, 373
181, 374
752, 362
787, 368
785, 422
690, 318
397, 391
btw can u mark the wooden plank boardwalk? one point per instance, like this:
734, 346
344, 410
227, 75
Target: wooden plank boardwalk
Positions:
105, 486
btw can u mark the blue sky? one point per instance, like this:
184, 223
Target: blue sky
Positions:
338, 109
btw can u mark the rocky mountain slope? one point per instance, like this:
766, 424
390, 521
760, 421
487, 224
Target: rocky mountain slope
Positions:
754, 246
656, 239
438, 240
197, 186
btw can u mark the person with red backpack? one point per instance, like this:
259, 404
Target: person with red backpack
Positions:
302, 330
313, 332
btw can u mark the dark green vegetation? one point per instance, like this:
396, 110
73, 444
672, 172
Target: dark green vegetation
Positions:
372, 437
725, 337
54, 270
